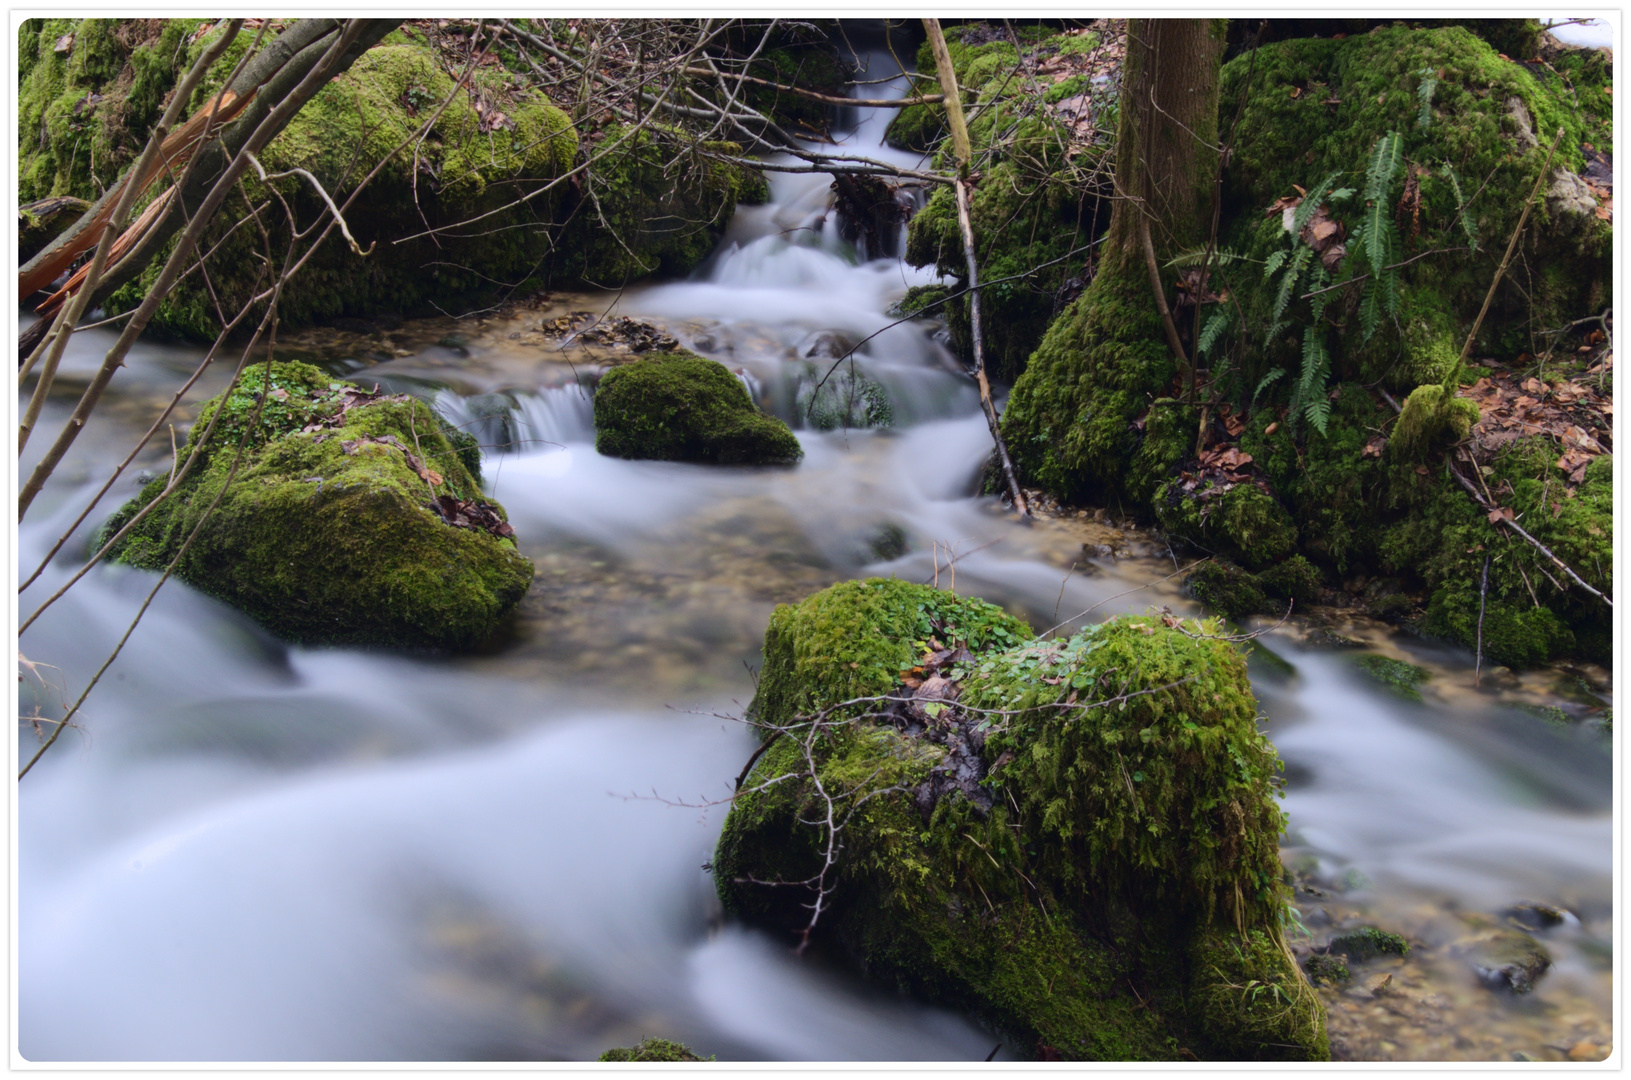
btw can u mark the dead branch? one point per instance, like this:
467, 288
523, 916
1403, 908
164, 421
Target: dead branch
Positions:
959, 135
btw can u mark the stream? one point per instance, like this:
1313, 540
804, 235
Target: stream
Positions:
253, 851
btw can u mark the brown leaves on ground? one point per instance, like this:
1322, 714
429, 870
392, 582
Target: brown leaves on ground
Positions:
1322, 232
1576, 414
589, 328
471, 514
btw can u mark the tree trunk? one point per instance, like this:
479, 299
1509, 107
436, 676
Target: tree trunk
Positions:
1070, 419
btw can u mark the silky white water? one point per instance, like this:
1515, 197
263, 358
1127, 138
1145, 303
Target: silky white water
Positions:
250, 851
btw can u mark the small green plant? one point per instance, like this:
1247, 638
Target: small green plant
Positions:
1424, 94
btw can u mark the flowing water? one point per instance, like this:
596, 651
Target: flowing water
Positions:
254, 851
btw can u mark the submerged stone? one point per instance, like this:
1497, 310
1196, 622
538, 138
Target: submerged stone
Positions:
1507, 960
1075, 840
682, 407
352, 518
1367, 943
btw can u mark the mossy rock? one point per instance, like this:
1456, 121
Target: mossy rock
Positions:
1225, 589
847, 399
1295, 579
1242, 520
1325, 968
1508, 960
1367, 943
1318, 106
683, 407
1078, 878
1400, 677
323, 544
653, 1050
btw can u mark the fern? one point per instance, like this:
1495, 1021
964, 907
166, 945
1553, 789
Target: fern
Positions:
1265, 382
1429, 83
1274, 263
1311, 202
1370, 310
1196, 255
1462, 210
1214, 329
1288, 288
1309, 400
1379, 236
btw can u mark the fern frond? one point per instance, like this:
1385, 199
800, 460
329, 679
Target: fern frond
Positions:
1319, 279
1370, 312
1220, 257
1384, 167
1429, 83
1288, 283
1214, 329
1265, 382
1462, 210
1274, 263
1311, 202
1310, 399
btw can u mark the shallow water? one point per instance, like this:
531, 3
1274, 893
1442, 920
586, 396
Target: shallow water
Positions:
251, 851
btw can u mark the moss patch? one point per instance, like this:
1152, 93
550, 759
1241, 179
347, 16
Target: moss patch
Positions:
324, 545
682, 407
1399, 676
653, 1050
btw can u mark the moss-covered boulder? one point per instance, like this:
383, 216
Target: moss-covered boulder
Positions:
684, 407
1075, 840
352, 518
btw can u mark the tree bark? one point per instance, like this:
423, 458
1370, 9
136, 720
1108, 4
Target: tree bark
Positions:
1115, 349
1167, 144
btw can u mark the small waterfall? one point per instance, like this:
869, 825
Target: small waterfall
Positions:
522, 421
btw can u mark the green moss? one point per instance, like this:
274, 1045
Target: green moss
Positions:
1242, 520
1069, 419
322, 545
917, 128
1037, 202
1086, 907
1399, 676
854, 639
1225, 589
653, 1050
1325, 968
682, 407
848, 399
664, 214
1294, 579
1367, 943
1432, 419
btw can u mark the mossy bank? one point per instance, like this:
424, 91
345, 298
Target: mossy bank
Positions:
1098, 882
352, 518
500, 152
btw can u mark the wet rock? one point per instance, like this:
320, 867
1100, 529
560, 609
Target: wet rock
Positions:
683, 407
826, 345
1537, 916
887, 542
1506, 960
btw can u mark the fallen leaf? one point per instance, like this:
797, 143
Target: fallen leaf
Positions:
1272, 428
1373, 447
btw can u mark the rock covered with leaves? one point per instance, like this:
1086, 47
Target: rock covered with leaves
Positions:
1075, 839
353, 517
677, 406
